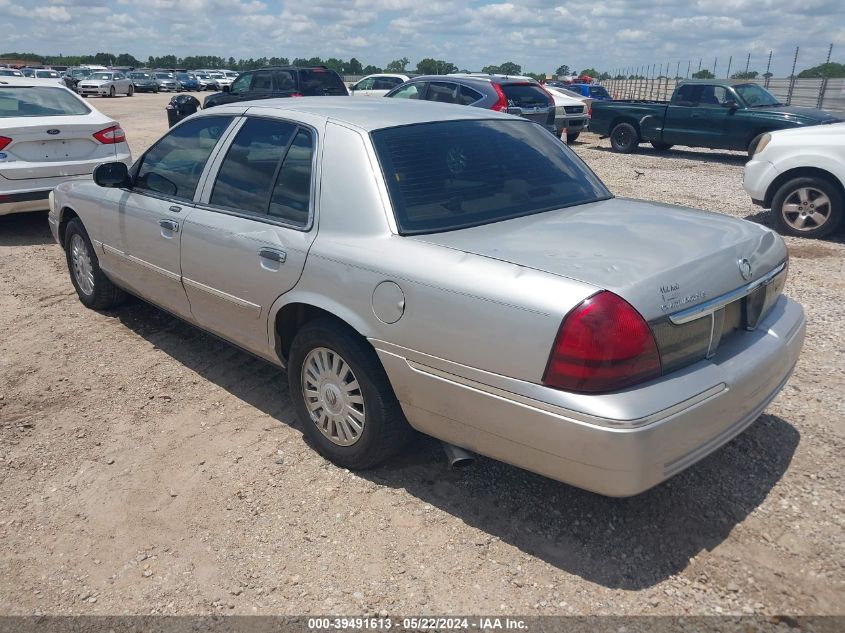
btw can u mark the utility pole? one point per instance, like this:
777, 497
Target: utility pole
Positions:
747, 63
728, 74
768, 70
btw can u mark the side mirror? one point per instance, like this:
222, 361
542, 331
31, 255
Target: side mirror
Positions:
227, 88
730, 104
114, 175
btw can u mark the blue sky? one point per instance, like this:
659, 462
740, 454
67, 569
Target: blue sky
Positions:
540, 35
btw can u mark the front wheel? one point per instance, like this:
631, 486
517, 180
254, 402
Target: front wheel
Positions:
343, 397
130, 90
111, 92
624, 138
807, 207
571, 137
95, 290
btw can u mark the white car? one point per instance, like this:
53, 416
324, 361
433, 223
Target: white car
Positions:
572, 116
376, 85
106, 83
48, 135
800, 175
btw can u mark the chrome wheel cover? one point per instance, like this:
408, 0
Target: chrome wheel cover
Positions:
80, 264
333, 396
806, 209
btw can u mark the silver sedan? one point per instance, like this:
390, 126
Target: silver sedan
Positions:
451, 270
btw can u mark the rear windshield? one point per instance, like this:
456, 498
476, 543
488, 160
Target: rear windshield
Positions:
38, 101
46, 74
599, 91
526, 96
321, 82
455, 174
139, 75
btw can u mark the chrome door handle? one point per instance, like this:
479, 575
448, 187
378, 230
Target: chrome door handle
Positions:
175, 208
273, 254
170, 225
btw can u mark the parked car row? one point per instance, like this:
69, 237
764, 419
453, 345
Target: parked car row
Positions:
366, 238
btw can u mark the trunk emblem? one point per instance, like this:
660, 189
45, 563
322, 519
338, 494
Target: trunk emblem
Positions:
745, 269
54, 132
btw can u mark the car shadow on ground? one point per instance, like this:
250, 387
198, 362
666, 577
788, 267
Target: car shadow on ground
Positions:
620, 543
25, 229
738, 159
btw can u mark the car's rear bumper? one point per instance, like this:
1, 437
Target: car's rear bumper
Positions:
22, 202
615, 457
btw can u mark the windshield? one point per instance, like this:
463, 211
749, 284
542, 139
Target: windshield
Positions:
599, 91
5, 72
455, 174
139, 75
216, 75
164, 76
184, 76
755, 96
80, 73
38, 101
105, 76
47, 74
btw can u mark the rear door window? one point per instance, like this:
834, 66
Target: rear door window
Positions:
291, 199
526, 96
173, 166
285, 80
247, 173
687, 95
321, 82
443, 92
262, 82
469, 96
242, 83
599, 91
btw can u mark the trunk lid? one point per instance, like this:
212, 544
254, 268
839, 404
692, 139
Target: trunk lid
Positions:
660, 258
55, 146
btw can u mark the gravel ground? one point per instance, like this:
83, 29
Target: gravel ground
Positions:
146, 467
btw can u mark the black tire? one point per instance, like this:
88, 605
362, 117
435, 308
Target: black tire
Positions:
752, 145
111, 92
624, 138
104, 294
131, 90
571, 138
661, 147
786, 219
385, 431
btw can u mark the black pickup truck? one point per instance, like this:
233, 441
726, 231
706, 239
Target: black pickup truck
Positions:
706, 113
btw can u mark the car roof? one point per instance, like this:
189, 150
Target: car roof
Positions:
367, 114
40, 82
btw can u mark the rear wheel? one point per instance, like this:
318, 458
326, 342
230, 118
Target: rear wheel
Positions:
130, 91
571, 137
624, 138
661, 147
95, 290
343, 397
807, 207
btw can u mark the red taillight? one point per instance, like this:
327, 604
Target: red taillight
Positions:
111, 135
604, 344
590, 111
502, 104
296, 94
4, 141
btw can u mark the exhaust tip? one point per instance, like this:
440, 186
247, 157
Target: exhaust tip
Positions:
458, 458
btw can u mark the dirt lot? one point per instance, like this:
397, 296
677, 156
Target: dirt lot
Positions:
146, 467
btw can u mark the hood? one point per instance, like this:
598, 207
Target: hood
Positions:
94, 82
804, 115
660, 258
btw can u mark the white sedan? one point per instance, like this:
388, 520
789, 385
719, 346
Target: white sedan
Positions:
800, 175
48, 135
106, 83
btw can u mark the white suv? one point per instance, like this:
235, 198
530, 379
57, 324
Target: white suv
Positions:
800, 175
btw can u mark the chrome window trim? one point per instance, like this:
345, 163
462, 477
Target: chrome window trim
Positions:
712, 305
